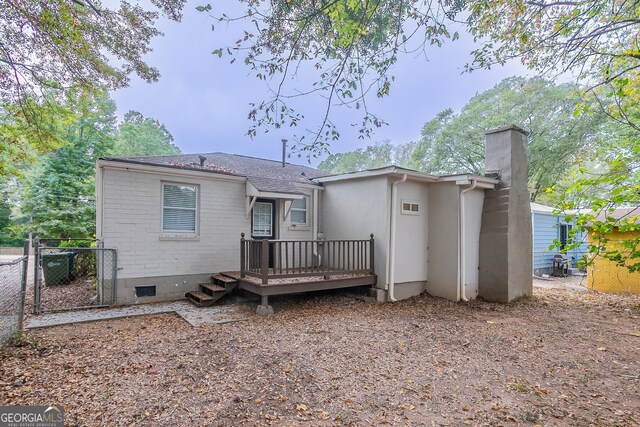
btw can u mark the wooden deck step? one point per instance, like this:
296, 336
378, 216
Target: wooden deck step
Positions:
223, 278
200, 299
211, 288
233, 275
224, 281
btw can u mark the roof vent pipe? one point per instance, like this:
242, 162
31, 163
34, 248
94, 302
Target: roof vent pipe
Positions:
202, 159
284, 151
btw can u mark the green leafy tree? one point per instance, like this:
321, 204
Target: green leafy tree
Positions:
597, 190
597, 41
8, 234
142, 136
371, 157
31, 127
557, 137
454, 143
422, 150
50, 47
58, 195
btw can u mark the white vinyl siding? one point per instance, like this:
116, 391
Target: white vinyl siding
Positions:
262, 220
179, 208
298, 214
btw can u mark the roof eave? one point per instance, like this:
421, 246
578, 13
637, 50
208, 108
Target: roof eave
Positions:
389, 170
253, 191
482, 182
166, 169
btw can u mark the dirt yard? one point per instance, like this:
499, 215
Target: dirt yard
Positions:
563, 358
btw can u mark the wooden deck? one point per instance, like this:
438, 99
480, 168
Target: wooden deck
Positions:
277, 267
301, 283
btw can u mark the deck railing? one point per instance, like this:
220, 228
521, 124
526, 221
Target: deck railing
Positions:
275, 259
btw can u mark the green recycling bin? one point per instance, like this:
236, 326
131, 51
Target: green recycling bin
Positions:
58, 268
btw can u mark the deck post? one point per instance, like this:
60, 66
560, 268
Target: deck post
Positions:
371, 255
264, 309
265, 261
243, 265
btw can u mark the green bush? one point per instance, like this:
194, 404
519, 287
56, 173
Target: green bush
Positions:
84, 263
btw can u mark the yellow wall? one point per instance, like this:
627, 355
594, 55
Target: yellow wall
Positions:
606, 276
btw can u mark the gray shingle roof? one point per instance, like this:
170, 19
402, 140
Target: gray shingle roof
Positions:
273, 185
265, 175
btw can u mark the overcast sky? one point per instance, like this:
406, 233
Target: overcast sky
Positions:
204, 100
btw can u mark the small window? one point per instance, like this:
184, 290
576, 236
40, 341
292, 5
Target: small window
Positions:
565, 235
410, 208
298, 214
179, 208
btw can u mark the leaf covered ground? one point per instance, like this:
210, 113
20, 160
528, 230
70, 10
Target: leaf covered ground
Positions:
559, 358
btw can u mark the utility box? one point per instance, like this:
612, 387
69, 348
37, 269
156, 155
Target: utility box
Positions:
58, 268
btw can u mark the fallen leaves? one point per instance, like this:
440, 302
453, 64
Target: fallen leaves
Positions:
329, 359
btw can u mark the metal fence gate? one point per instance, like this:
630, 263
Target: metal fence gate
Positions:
13, 284
68, 276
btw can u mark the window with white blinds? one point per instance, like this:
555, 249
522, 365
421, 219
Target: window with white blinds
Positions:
262, 220
179, 208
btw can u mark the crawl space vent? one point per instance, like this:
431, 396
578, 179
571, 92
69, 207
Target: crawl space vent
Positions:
146, 291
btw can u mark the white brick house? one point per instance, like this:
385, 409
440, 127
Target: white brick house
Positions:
176, 220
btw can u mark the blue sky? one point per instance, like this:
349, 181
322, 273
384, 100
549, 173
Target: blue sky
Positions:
204, 100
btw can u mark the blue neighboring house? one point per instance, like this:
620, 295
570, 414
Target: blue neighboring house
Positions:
546, 228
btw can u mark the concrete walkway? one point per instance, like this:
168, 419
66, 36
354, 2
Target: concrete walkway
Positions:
193, 315
576, 283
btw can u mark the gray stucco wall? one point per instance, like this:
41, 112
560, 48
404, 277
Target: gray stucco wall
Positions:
356, 208
443, 240
474, 201
411, 240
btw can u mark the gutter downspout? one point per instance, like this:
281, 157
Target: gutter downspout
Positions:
99, 209
392, 239
314, 228
462, 262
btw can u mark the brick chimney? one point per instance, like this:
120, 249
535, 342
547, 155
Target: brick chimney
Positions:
505, 262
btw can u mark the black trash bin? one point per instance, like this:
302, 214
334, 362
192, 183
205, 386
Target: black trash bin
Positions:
58, 268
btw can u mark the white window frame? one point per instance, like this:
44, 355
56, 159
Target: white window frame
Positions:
413, 209
196, 210
306, 213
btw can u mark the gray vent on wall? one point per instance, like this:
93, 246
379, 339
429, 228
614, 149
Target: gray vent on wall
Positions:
146, 291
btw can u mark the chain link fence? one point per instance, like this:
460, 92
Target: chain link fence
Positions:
606, 275
13, 285
73, 274
596, 273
